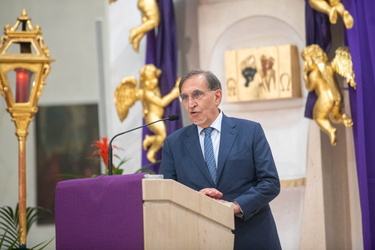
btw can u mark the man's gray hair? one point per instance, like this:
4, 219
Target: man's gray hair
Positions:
212, 82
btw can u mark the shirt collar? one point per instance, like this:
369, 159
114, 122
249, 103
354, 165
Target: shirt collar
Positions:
216, 124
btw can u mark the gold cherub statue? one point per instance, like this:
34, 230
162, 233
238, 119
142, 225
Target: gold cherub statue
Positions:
332, 8
127, 93
150, 19
319, 75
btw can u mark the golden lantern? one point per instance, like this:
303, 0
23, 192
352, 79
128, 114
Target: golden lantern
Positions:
24, 66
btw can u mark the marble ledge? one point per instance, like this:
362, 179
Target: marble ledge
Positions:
263, 105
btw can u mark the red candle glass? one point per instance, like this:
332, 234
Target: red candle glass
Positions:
22, 85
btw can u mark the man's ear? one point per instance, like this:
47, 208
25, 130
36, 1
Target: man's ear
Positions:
218, 96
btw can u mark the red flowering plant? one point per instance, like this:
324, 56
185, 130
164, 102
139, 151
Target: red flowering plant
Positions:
102, 151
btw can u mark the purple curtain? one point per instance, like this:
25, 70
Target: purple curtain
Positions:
361, 41
162, 52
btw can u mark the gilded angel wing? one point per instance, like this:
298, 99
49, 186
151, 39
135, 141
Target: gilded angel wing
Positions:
126, 94
342, 64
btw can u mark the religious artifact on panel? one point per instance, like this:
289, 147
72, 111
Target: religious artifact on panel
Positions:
262, 73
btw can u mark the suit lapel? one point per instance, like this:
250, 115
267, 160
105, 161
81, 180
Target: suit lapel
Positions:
192, 146
228, 137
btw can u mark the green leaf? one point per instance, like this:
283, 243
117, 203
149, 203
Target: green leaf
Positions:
118, 171
42, 245
122, 162
141, 170
9, 224
6, 242
32, 215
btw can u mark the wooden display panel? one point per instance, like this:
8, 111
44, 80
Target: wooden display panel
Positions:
262, 73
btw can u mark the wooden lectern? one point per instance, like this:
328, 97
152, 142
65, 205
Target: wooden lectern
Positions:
130, 212
177, 217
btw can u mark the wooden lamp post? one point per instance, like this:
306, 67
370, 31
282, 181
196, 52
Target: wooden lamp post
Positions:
24, 66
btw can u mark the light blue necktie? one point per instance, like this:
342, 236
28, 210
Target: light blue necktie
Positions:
209, 153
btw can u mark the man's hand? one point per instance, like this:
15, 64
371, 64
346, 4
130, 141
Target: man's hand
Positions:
216, 194
235, 206
211, 192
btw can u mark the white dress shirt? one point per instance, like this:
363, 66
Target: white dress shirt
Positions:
215, 136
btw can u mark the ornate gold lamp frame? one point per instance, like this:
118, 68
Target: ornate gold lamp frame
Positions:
24, 66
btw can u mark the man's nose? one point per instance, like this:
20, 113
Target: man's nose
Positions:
191, 102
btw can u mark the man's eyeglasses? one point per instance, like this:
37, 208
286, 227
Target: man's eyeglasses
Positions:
196, 95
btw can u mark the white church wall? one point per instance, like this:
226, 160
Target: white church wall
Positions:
69, 31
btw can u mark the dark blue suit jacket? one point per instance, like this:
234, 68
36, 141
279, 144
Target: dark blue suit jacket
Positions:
246, 174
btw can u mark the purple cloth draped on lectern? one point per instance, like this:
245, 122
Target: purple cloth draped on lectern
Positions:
361, 42
105, 212
317, 32
161, 51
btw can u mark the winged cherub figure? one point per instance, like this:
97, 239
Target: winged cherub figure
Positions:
150, 19
319, 75
332, 8
127, 93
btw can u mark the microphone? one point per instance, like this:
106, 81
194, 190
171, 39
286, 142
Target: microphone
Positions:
169, 118
172, 118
